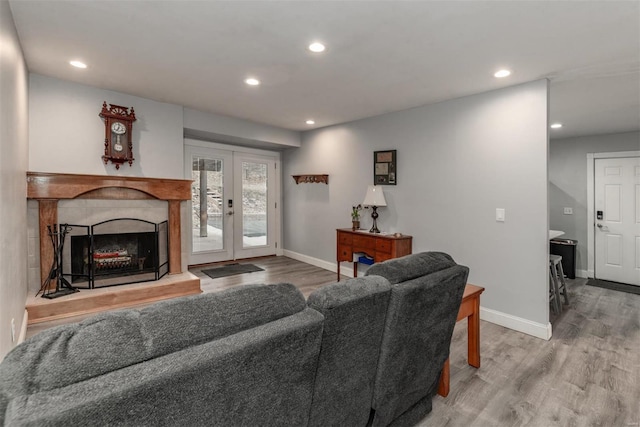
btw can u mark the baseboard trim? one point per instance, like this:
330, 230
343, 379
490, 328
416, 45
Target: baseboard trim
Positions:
583, 274
23, 327
519, 324
538, 330
346, 269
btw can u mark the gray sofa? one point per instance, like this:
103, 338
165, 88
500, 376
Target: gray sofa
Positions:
367, 351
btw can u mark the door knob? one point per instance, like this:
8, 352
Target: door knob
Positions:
599, 225
230, 213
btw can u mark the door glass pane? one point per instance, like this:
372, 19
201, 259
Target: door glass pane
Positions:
206, 197
254, 204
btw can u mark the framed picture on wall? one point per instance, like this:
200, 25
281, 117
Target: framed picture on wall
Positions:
385, 167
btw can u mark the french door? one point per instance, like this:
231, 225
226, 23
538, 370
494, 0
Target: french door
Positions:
232, 212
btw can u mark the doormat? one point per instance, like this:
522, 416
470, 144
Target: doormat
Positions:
231, 270
622, 287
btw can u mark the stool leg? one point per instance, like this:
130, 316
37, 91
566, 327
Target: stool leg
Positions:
552, 295
563, 285
553, 291
556, 291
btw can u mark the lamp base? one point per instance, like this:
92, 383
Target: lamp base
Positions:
374, 215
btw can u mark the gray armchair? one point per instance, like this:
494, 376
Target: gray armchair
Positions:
426, 292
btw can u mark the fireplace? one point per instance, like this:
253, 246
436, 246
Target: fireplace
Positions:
98, 199
115, 252
49, 188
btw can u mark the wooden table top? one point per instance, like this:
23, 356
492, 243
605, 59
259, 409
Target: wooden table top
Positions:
471, 291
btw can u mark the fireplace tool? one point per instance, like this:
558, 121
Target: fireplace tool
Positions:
57, 234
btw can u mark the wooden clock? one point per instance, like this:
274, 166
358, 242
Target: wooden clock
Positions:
118, 124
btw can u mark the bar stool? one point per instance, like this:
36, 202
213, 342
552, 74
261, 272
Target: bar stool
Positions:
557, 279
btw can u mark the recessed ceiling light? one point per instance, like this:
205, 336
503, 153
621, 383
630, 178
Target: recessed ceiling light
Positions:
310, 122
316, 47
252, 82
556, 125
78, 64
502, 73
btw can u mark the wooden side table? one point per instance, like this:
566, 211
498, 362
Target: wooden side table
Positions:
380, 247
469, 308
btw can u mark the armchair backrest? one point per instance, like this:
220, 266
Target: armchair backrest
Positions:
354, 314
426, 292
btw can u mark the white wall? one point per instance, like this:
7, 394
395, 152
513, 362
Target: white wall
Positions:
457, 162
568, 183
229, 130
66, 135
13, 187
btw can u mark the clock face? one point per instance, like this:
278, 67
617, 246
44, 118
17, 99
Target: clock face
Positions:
118, 128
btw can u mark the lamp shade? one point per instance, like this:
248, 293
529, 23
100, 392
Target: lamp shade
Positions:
374, 196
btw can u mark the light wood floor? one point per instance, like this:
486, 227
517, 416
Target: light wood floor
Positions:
305, 277
588, 374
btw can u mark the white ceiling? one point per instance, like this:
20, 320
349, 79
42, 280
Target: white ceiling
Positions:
381, 56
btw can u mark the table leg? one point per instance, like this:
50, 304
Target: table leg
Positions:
355, 269
473, 334
443, 385
338, 271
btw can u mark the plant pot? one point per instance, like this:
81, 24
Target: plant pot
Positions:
355, 225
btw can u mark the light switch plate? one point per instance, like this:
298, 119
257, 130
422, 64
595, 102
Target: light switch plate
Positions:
500, 214
568, 211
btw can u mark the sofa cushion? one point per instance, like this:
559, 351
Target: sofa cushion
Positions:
72, 353
354, 312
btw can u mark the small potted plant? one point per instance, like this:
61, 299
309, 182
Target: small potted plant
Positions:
355, 217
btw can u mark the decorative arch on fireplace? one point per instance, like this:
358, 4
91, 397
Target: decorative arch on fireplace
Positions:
116, 193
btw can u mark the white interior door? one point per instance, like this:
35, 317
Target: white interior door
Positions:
232, 211
617, 219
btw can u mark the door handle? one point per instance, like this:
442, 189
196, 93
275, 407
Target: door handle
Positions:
230, 213
599, 225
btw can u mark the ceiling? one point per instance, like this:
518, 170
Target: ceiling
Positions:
381, 56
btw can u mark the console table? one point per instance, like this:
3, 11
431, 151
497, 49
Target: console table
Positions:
380, 247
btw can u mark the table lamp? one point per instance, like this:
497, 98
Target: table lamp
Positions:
374, 198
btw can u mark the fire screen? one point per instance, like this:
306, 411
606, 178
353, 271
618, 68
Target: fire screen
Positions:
116, 252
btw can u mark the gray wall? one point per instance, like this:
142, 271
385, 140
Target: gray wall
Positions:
457, 162
158, 135
13, 184
214, 127
157, 131
568, 183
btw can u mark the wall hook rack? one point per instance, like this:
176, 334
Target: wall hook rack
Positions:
311, 178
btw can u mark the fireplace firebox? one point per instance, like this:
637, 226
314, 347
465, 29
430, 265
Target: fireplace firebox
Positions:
115, 252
